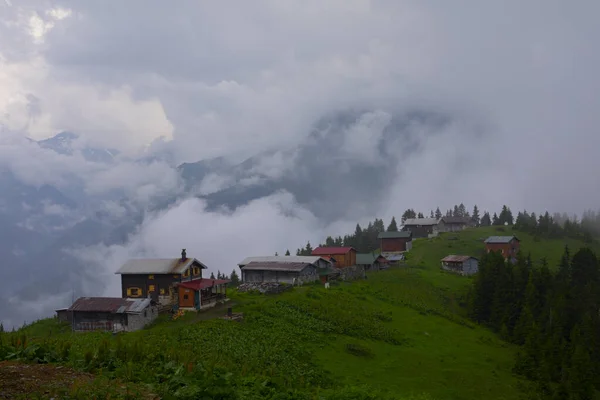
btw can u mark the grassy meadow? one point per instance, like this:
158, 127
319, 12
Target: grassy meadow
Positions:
399, 334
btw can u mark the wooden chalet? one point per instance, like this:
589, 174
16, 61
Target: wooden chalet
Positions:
286, 269
421, 227
112, 314
508, 246
454, 224
395, 242
156, 278
464, 265
201, 294
371, 261
342, 256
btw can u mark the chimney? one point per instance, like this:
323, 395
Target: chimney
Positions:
183, 255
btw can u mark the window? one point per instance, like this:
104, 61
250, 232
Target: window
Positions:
151, 288
185, 297
134, 292
162, 291
150, 276
186, 273
176, 276
196, 271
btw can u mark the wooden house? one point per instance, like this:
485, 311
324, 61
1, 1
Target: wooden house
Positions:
454, 224
112, 314
508, 246
343, 256
201, 294
371, 261
281, 273
156, 278
395, 242
464, 265
421, 227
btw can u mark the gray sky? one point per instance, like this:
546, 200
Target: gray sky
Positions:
517, 81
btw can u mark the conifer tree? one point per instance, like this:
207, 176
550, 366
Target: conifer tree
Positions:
235, 279
486, 220
287, 252
212, 275
392, 227
475, 217
438, 213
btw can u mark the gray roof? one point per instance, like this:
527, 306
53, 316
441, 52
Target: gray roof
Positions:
456, 220
500, 239
276, 266
394, 235
283, 259
421, 221
394, 257
158, 266
116, 305
367, 258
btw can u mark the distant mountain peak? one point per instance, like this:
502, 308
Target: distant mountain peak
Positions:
62, 143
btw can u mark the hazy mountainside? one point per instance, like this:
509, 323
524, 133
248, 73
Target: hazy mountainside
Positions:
333, 172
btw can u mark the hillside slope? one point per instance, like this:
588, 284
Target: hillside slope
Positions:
400, 332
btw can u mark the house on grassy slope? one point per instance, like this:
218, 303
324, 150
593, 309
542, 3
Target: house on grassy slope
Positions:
201, 294
463, 265
454, 224
371, 261
343, 256
508, 246
157, 277
279, 272
395, 242
421, 227
112, 314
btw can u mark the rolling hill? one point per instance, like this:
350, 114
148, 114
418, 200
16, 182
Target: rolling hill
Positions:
399, 334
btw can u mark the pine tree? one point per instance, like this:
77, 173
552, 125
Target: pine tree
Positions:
462, 210
219, 272
392, 227
212, 275
276, 254
455, 211
438, 213
287, 252
495, 220
486, 220
420, 215
408, 214
308, 249
431, 214
235, 279
475, 217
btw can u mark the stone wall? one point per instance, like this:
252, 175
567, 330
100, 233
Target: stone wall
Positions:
352, 273
264, 287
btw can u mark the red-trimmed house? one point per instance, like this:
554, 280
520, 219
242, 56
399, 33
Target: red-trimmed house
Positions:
343, 256
395, 242
507, 245
201, 293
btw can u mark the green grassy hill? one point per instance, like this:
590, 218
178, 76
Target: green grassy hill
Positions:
401, 333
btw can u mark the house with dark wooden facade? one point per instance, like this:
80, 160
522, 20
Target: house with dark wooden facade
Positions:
371, 261
454, 224
157, 277
286, 269
463, 265
395, 242
112, 314
508, 246
201, 294
421, 227
343, 256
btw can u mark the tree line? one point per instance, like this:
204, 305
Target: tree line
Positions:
234, 278
364, 239
553, 317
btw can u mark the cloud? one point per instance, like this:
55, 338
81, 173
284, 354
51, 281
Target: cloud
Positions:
356, 109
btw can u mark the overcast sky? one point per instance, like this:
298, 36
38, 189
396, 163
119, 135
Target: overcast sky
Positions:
517, 79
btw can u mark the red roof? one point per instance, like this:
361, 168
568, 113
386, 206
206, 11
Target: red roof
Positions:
203, 283
324, 250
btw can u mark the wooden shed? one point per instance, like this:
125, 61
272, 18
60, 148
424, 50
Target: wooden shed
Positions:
395, 242
113, 314
421, 227
508, 246
343, 256
464, 265
201, 294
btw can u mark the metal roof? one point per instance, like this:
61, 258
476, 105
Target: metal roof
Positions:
394, 257
326, 250
110, 304
275, 266
455, 258
158, 266
394, 235
283, 259
420, 221
203, 283
501, 239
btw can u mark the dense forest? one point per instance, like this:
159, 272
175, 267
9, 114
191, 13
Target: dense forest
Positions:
544, 225
553, 316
